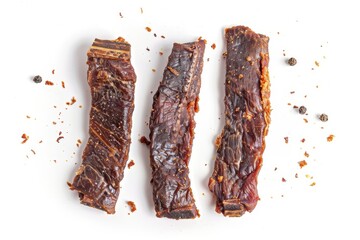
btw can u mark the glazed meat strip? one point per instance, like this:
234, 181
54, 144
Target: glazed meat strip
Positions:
112, 83
172, 131
247, 118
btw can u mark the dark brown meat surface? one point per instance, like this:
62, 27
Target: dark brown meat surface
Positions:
112, 83
172, 131
247, 118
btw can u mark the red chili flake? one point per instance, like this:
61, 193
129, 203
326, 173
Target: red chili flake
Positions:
130, 164
148, 29
132, 206
302, 163
60, 133
63, 84
283, 179
330, 138
295, 106
306, 154
213, 46
59, 138
286, 140
49, 83
24, 137
144, 140
302, 140
53, 71
73, 100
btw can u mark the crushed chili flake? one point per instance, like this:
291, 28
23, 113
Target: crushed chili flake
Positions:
302, 140
53, 71
312, 184
286, 139
132, 206
213, 46
24, 137
295, 106
59, 138
62, 84
283, 179
130, 164
73, 100
49, 83
330, 138
306, 154
302, 163
60, 133
154, 70
148, 29
144, 140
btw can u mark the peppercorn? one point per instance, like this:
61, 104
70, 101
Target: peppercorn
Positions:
323, 117
37, 79
302, 110
292, 61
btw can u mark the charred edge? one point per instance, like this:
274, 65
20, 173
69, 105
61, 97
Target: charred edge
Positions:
116, 49
189, 212
232, 208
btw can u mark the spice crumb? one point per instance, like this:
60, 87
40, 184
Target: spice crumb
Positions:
213, 46
296, 175
62, 84
141, 10
147, 49
286, 140
153, 70
53, 71
208, 59
330, 138
302, 163
292, 61
49, 83
148, 29
72, 101
144, 140
312, 184
292, 92
59, 138
162, 36
132, 206
130, 164
275, 168
37, 79
305, 120
323, 117
295, 106
306, 154
161, 53
317, 63
25, 138
27, 116
155, 35
283, 179
32, 150
302, 140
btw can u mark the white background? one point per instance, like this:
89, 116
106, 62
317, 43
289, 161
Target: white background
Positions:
39, 36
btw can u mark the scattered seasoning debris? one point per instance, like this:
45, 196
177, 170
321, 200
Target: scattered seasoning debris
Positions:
224, 54
323, 117
305, 120
286, 140
60, 133
141, 10
162, 36
302, 140
37, 79
296, 175
49, 83
121, 15
54, 161
155, 35
208, 59
148, 29
289, 104
40, 141
317, 63
63, 84
330, 138
32, 150
205, 164
59, 138
283, 179
275, 168
161, 53
292, 92
308, 176
54, 123
154, 70
295, 106
144, 140
302, 110
218, 141
292, 61
73, 100
24, 137
302, 163
78, 143
53, 71
312, 184
213, 46
306, 154
147, 49
130, 164
27, 116
132, 206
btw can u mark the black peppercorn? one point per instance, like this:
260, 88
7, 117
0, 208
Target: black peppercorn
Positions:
292, 61
323, 117
37, 79
302, 110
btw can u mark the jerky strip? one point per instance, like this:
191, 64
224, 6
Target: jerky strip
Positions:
247, 118
112, 83
172, 131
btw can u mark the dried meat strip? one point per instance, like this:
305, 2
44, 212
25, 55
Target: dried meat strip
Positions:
172, 131
247, 117
112, 83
